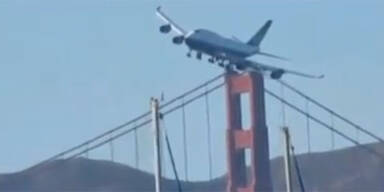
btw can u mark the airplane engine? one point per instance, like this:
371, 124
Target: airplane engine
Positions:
178, 40
165, 28
240, 67
276, 74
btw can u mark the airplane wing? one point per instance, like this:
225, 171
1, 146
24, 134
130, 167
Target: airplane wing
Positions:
242, 64
277, 72
169, 21
272, 56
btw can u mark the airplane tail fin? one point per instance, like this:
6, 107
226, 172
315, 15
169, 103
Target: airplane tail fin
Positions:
259, 36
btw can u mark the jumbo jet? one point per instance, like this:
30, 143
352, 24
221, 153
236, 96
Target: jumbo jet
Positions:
230, 53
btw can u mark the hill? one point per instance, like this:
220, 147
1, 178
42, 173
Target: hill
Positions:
349, 169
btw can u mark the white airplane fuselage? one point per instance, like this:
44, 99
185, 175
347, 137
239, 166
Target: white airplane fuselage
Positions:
213, 44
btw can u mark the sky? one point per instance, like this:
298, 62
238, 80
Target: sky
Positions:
70, 70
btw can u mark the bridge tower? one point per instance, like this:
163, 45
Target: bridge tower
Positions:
253, 139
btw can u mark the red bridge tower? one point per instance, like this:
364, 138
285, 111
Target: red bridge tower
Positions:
253, 138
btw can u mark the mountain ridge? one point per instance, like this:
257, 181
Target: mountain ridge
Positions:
348, 169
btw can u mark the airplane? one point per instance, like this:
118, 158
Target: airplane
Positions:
230, 53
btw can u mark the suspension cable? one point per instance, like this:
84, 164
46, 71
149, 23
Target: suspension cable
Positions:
332, 133
87, 154
187, 102
136, 142
325, 125
209, 143
298, 171
191, 91
109, 139
331, 111
111, 148
89, 141
90, 148
283, 106
308, 124
171, 157
185, 148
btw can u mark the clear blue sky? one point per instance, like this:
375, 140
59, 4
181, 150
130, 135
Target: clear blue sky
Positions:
70, 70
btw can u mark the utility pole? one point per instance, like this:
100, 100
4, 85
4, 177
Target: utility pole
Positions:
287, 159
157, 141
